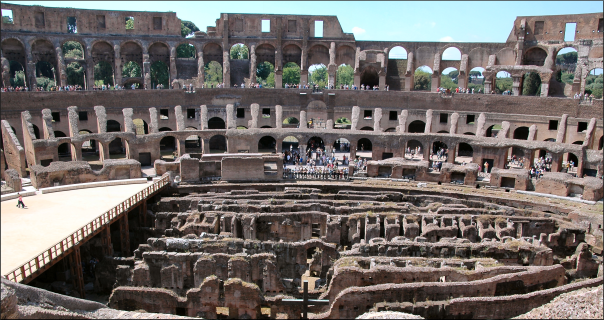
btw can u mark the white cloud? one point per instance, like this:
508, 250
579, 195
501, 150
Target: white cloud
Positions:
446, 39
357, 30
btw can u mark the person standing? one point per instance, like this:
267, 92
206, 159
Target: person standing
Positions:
486, 167
20, 203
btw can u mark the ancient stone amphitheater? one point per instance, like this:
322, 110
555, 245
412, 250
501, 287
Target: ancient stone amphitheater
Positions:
231, 229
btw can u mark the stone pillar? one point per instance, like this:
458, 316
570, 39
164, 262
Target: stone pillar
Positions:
332, 67
516, 85
204, 117
254, 109
451, 154
453, 128
74, 131
205, 143
357, 69
173, 71
329, 124
462, 79
560, 137
545, 85
402, 121
428, 127
278, 116
5, 72
382, 79
505, 129
101, 119
480, 130
278, 79
353, 151
556, 162
30, 69
47, 129
117, 66
436, 73
356, 111
62, 69
279, 144
409, 73
303, 121
231, 117
532, 133
489, 83
180, 119
377, 120
128, 127
201, 75
253, 64
303, 77
89, 74
154, 125
589, 133
147, 69
426, 152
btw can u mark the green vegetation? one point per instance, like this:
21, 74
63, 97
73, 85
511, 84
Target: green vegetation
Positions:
239, 51
131, 69
265, 75
160, 74
531, 85
422, 80
291, 73
343, 120
567, 58
593, 85
345, 75
503, 84
129, 23
291, 120
187, 28
7, 19
103, 74
213, 74
319, 76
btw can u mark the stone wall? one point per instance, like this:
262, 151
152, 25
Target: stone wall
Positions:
63, 173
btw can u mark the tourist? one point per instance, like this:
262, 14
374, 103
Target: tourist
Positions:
20, 203
486, 167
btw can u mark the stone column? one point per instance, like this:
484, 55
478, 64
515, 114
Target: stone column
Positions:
128, 127
402, 121
356, 111
154, 125
516, 85
303, 77
589, 132
556, 161
377, 120
332, 68
545, 85
462, 79
426, 151
303, 121
382, 79
253, 64
226, 69
89, 74
204, 117
353, 150
480, 130
117, 66
532, 133
451, 154
278, 66
231, 117
173, 71
255, 109
279, 144
428, 127
357, 69
453, 128
180, 126
436, 73
278, 116
147, 69
101, 119
62, 69
30, 69
278, 79
329, 124
560, 137
409, 74
505, 129
304, 66
73, 117
48, 131
201, 76
206, 145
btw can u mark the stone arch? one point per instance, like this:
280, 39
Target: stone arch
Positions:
102, 50
291, 52
14, 49
159, 51
534, 56
390, 130
212, 52
450, 52
318, 54
265, 52
567, 158
90, 151
64, 151
218, 144
116, 152
314, 143
43, 50
291, 121
521, 133
465, 150
290, 143
489, 131
364, 144
167, 145
267, 144
443, 131
435, 148
449, 78
417, 126
46, 70
216, 123
370, 76
345, 54
398, 51
341, 145
412, 146
131, 51
141, 126
367, 128
193, 142
478, 57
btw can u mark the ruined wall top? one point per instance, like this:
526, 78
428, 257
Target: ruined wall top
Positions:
552, 28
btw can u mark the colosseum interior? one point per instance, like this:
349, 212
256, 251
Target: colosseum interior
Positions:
442, 217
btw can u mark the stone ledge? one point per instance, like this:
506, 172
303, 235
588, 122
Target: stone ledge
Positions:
92, 185
15, 195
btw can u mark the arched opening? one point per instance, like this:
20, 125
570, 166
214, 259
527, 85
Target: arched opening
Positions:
267, 144
443, 131
397, 67
241, 127
212, 74
439, 151
115, 147
75, 74
417, 126
342, 123
103, 74
535, 57
132, 70
503, 83
90, 152
390, 130
291, 122
594, 82
318, 76
531, 85
17, 75
315, 143
493, 130
370, 78
265, 127
141, 127
45, 75
64, 151
566, 63
600, 143
185, 51
469, 133
290, 144
414, 150
160, 75
115, 152
465, 152
36, 131
240, 64
570, 162
476, 80
449, 78
422, 79
265, 75
451, 53
291, 73
550, 140
218, 144
216, 123
367, 128
521, 133
364, 144
341, 145
239, 51
193, 142
167, 147
344, 76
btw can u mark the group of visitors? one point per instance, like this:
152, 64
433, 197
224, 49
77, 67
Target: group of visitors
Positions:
441, 153
417, 150
514, 160
540, 166
584, 97
314, 172
15, 89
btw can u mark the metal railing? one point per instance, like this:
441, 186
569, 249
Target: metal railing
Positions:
89, 229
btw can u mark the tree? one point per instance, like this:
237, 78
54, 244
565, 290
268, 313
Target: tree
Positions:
187, 28
73, 49
160, 74
7, 19
75, 74
131, 70
345, 75
239, 51
447, 82
265, 74
319, 76
454, 75
503, 84
129, 23
291, 73
185, 51
103, 72
594, 85
422, 80
532, 84
475, 74
567, 58
213, 73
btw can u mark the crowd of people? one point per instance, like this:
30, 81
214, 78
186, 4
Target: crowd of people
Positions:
540, 166
442, 90
584, 97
